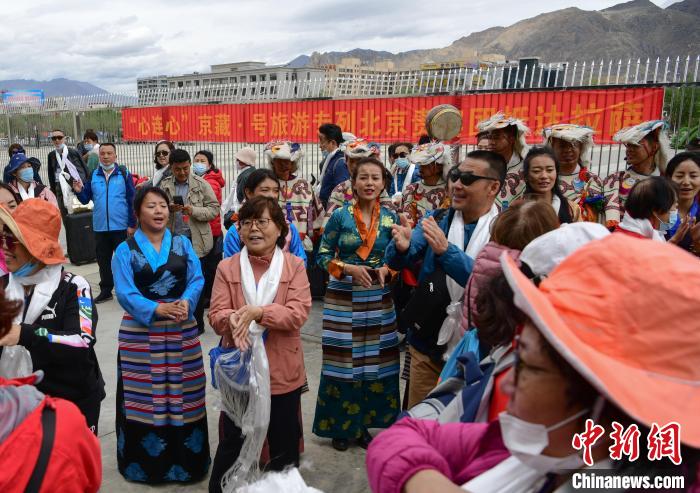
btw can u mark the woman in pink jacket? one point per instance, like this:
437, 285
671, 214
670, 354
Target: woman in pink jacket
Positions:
573, 367
263, 230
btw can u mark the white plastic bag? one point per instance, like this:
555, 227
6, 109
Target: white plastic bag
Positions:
244, 382
289, 481
15, 362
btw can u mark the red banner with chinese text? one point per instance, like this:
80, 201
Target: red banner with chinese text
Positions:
392, 119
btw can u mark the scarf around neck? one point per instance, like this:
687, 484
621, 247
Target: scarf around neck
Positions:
368, 236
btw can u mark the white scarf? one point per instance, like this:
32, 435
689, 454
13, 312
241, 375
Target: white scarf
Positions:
64, 164
25, 194
450, 332
158, 174
324, 168
407, 181
45, 282
641, 227
256, 416
556, 204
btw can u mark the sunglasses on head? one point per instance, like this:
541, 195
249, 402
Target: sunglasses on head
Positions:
400, 154
57, 137
467, 177
162, 153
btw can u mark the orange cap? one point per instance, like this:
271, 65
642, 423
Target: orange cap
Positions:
624, 312
36, 224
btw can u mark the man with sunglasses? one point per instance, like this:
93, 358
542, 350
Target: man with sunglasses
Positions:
65, 167
449, 244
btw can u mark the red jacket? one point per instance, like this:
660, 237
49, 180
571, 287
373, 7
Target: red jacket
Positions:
75, 463
217, 182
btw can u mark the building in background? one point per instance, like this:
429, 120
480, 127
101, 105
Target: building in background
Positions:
241, 81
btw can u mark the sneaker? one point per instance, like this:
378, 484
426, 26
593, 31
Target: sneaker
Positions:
341, 444
103, 296
364, 440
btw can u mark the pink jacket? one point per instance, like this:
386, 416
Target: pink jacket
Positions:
460, 451
486, 266
283, 317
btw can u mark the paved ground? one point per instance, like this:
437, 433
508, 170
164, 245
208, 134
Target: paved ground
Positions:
322, 466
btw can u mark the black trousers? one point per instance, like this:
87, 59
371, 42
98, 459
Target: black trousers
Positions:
105, 244
283, 436
90, 407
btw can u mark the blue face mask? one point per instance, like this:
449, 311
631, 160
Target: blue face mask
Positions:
324, 154
25, 270
402, 162
88, 147
672, 220
107, 167
26, 175
200, 168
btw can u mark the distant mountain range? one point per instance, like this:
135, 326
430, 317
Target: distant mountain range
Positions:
54, 87
636, 29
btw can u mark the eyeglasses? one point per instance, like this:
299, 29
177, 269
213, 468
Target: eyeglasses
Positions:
162, 153
467, 177
57, 137
400, 154
261, 223
8, 241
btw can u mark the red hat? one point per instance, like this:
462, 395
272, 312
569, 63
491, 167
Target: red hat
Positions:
624, 313
36, 224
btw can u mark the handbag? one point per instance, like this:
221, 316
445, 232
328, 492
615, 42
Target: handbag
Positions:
426, 310
427, 307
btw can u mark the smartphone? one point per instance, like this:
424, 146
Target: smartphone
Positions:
177, 200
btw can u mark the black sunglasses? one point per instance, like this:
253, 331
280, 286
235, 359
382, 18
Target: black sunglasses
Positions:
400, 154
162, 153
467, 177
57, 137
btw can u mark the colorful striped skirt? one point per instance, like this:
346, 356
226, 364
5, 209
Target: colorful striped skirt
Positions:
161, 420
359, 386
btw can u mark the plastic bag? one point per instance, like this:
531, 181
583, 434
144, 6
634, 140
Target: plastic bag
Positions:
468, 344
243, 380
289, 481
15, 362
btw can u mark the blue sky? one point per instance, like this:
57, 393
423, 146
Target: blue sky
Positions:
113, 43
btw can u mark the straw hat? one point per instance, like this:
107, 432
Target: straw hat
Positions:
617, 312
36, 224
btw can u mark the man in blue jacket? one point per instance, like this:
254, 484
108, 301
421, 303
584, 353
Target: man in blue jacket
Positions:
111, 190
473, 187
333, 168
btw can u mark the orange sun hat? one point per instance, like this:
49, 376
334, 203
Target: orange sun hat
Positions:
625, 313
37, 225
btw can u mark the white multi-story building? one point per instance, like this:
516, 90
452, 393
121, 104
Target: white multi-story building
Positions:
241, 81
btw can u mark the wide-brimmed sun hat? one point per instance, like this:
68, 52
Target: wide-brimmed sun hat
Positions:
36, 224
624, 313
246, 155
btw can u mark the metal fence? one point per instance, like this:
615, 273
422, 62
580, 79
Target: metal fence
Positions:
30, 124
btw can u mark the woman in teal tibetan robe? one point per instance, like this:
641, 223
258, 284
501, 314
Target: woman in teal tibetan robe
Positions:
359, 386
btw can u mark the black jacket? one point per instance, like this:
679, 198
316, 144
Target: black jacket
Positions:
73, 157
61, 342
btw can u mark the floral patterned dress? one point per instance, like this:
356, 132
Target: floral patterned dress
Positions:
359, 386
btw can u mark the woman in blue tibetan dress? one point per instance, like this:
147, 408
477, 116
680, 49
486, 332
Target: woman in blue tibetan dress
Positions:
359, 386
161, 416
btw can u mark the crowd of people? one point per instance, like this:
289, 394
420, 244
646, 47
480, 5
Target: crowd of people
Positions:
528, 290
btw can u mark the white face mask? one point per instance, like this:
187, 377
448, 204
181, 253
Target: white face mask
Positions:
526, 441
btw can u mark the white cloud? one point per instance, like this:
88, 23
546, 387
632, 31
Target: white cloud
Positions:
111, 44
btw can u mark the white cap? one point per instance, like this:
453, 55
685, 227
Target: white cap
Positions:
545, 252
